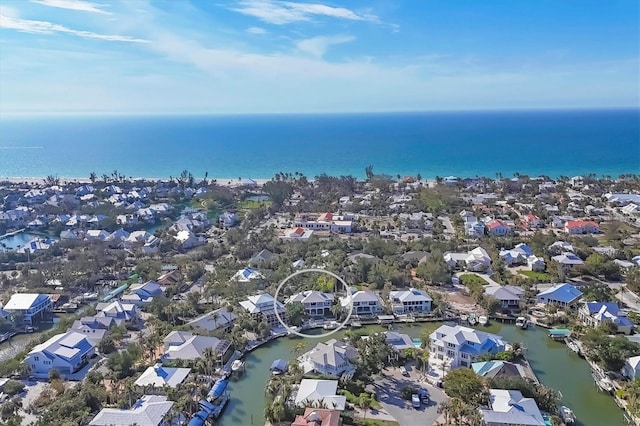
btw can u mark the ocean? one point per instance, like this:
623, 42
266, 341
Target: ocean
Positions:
464, 144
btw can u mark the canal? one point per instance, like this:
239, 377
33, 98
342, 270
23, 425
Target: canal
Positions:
554, 364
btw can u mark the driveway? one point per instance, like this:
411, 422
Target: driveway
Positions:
389, 393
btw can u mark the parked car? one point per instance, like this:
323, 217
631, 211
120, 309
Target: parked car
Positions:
403, 371
424, 396
415, 400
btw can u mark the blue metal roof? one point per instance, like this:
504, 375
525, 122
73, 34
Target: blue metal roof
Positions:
279, 364
218, 388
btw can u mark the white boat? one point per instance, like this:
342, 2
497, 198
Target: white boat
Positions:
522, 322
464, 318
472, 319
573, 346
291, 329
331, 325
567, 415
356, 324
237, 365
603, 382
483, 320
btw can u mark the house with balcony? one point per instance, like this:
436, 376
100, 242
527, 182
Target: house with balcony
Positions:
158, 376
186, 346
410, 301
220, 319
143, 294
497, 227
30, 306
149, 410
594, 314
365, 303
261, 308
509, 296
581, 227
458, 346
509, 407
66, 353
316, 303
332, 358
563, 295
121, 312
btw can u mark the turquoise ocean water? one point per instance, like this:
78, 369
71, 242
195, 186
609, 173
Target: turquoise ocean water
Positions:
466, 144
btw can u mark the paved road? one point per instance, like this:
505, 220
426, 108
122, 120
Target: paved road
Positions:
389, 390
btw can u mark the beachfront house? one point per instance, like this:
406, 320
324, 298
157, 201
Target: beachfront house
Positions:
365, 303
67, 353
509, 296
631, 369
563, 295
149, 410
313, 393
458, 346
220, 319
509, 407
332, 358
186, 346
261, 308
158, 376
316, 303
31, 307
593, 314
410, 301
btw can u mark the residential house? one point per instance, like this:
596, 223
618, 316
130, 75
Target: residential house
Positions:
568, 260
559, 247
337, 224
536, 264
509, 407
497, 227
581, 227
66, 353
318, 417
188, 240
297, 234
499, 369
149, 410
187, 346
509, 296
478, 260
158, 376
459, 346
316, 303
29, 306
220, 319
415, 257
399, 342
247, 274
564, 295
96, 235
228, 219
410, 301
622, 199
36, 245
512, 257
332, 358
95, 328
143, 294
261, 307
121, 312
631, 369
264, 257
455, 260
594, 314
531, 221
365, 303
474, 228
356, 258
313, 392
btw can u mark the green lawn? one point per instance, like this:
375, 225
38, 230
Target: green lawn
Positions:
248, 204
471, 279
538, 276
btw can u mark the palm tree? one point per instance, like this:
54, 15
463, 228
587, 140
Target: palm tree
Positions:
93, 177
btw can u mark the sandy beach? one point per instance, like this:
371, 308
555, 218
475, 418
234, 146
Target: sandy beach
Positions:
39, 181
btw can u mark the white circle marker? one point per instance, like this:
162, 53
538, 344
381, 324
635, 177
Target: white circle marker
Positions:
315, 336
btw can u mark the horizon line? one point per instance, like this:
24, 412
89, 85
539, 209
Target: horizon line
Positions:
298, 113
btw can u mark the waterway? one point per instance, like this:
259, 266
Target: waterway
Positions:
554, 364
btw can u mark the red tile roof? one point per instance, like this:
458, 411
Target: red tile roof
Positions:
494, 224
299, 231
325, 417
581, 224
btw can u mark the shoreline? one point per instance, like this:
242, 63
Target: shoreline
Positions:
64, 180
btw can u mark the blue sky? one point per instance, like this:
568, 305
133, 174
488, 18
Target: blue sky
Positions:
264, 56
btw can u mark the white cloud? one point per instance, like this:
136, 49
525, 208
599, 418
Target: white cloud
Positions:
79, 5
44, 27
284, 12
257, 30
317, 46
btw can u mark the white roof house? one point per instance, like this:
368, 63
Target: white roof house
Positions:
188, 239
218, 319
313, 391
509, 407
261, 306
189, 346
159, 376
568, 259
508, 296
66, 352
297, 234
247, 274
316, 303
364, 302
331, 358
411, 300
460, 346
28, 305
147, 411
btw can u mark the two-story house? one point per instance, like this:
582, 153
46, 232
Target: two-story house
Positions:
332, 358
594, 314
564, 295
316, 303
143, 294
509, 296
365, 303
66, 353
459, 346
261, 308
30, 306
410, 301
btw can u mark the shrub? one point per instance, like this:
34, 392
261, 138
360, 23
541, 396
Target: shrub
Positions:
13, 387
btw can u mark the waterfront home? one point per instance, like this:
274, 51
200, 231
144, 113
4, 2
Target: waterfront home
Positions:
149, 410
247, 274
29, 306
158, 376
71, 234
121, 312
316, 303
568, 260
118, 235
631, 368
581, 227
220, 319
497, 227
66, 353
399, 342
459, 346
593, 314
261, 308
296, 234
318, 417
499, 369
332, 358
365, 303
410, 301
509, 407
563, 295
263, 257
509, 296
188, 240
312, 392
187, 346
536, 264
143, 294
